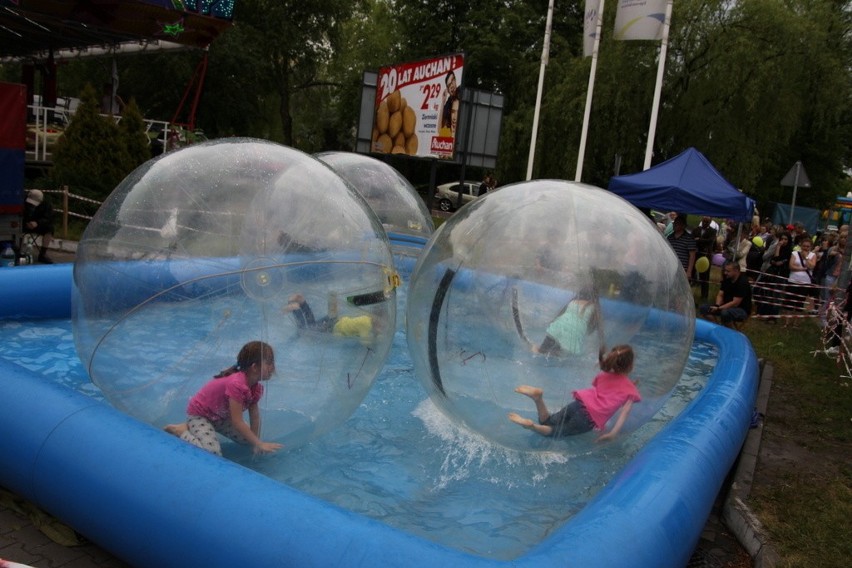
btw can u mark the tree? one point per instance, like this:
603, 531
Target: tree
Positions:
90, 156
372, 39
758, 85
502, 43
136, 143
755, 84
293, 40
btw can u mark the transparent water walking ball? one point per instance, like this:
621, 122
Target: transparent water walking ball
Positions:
202, 250
391, 196
524, 286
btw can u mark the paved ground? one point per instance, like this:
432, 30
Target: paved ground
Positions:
21, 539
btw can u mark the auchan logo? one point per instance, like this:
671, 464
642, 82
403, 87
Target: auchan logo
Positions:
442, 144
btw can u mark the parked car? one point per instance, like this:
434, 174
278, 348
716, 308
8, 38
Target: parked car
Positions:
447, 194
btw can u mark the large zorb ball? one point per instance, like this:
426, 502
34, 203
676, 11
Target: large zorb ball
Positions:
391, 196
495, 289
199, 251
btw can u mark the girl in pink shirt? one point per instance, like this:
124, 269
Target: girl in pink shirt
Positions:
219, 405
611, 390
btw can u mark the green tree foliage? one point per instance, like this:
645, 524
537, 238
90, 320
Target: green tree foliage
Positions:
755, 85
90, 157
294, 40
371, 40
736, 73
133, 137
502, 43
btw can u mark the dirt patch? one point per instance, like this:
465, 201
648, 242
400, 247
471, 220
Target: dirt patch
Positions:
786, 448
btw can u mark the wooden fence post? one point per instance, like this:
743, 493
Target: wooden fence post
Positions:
64, 211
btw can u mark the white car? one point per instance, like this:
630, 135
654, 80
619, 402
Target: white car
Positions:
447, 194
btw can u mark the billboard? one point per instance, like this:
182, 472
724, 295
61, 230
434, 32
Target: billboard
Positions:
417, 107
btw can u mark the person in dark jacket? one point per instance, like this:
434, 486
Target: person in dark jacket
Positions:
38, 220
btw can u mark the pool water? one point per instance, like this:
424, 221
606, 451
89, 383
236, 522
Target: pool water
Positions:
400, 461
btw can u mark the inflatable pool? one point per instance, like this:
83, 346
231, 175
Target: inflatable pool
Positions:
155, 501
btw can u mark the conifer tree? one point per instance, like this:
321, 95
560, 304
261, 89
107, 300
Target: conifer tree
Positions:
90, 156
132, 128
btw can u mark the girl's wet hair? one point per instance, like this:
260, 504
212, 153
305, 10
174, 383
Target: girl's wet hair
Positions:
618, 360
251, 353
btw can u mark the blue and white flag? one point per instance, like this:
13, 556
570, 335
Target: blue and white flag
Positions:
640, 19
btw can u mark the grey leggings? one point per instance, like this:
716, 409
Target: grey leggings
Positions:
201, 432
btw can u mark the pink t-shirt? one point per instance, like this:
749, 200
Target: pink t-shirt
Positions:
609, 392
212, 400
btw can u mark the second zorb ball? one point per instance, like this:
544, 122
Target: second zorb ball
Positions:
391, 196
491, 299
204, 249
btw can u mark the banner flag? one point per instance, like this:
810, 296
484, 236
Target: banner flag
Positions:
640, 19
590, 27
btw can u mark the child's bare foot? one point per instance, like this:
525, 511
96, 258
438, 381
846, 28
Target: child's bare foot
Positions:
176, 429
532, 392
520, 420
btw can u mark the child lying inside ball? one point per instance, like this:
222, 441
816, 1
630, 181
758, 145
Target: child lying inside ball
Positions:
611, 391
341, 326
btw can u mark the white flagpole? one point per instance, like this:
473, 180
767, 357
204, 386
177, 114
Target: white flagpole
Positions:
581, 154
655, 108
545, 55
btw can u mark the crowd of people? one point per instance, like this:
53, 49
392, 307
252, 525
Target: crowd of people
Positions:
780, 273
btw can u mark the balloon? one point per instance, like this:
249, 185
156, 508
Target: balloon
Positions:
758, 241
718, 259
702, 264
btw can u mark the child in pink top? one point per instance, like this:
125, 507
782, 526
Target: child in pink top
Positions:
219, 405
611, 391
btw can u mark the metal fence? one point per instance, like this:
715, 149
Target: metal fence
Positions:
46, 124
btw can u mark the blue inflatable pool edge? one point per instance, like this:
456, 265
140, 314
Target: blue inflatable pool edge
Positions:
153, 500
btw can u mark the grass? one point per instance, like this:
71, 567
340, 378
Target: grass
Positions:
808, 518
804, 503
806, 506
812, 382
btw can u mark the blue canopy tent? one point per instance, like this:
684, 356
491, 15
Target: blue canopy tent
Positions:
688, 183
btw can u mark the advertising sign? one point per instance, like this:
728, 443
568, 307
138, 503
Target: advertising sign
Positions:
417, 107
